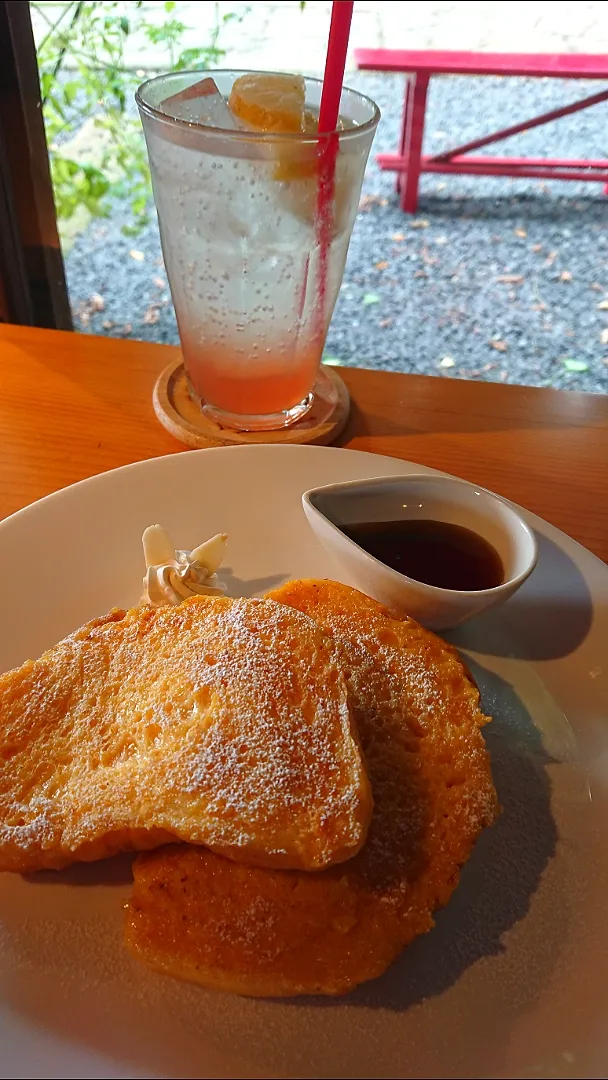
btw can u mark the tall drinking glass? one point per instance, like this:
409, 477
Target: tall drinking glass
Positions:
253, 282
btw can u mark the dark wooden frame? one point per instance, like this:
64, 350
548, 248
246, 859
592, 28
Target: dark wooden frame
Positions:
32, 280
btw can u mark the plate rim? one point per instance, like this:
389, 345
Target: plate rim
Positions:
143, 463
587, 562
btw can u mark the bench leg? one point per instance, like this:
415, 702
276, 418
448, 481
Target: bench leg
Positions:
411, 139
407, 104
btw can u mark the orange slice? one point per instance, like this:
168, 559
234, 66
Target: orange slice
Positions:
311, 122
269, 102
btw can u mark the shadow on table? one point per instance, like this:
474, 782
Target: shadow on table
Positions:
493, 413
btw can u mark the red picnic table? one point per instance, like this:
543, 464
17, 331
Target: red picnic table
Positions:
419, 66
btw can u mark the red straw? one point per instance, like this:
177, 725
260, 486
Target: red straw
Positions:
329, 111
339, 30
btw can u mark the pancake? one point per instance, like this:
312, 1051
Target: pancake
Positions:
196, 916
219, 722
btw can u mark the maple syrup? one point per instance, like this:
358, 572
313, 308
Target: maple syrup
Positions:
434, 552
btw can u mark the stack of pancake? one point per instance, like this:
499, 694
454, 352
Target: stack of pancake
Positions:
317, 763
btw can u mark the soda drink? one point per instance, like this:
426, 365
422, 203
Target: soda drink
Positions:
238, 215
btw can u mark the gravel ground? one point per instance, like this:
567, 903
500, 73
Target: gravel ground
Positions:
492, 279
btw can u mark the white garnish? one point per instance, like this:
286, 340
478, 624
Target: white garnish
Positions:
174, 575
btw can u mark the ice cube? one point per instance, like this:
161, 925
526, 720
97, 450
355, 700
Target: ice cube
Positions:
200, 103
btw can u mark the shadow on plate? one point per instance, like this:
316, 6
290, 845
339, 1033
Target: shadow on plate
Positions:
237, 586
115, 871
548, 618
138, 1020
502, 875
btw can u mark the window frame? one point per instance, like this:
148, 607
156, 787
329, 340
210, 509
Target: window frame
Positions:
33, 288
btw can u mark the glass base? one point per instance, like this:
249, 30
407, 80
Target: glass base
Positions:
264, 422
179, 410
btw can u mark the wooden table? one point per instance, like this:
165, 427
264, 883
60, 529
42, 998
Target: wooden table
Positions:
72, 405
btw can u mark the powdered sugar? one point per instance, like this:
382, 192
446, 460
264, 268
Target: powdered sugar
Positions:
219, 722
263, 931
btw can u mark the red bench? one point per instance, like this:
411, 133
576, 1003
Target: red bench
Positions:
419, 66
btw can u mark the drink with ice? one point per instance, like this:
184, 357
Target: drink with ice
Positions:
238, 209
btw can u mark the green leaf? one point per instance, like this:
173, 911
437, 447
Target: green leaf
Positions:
46, 82
83, 75
575, 365
57, 104
70, 91
332, 361
139, 204
371, 298
65, 168
197, 58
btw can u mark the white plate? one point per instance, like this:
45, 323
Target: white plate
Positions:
513, 980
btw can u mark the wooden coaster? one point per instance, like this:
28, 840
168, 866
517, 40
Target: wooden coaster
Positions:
179, 412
